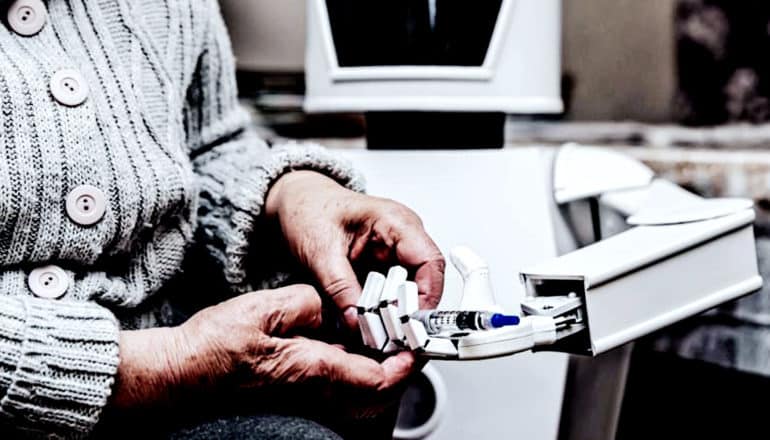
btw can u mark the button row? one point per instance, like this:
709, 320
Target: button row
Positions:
85, 204
27, 18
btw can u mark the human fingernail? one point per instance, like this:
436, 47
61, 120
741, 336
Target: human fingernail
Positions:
351, 315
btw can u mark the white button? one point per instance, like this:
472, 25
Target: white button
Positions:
69, 87
27, 17
86, 205
48, 282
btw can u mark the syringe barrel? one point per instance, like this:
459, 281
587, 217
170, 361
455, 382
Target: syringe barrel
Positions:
443, 321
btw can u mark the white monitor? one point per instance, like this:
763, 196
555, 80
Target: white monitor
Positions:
433, 56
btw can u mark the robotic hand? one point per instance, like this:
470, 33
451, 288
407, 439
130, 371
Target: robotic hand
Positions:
390, 320
650, 254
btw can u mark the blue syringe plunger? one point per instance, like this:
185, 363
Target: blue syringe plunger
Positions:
500, 320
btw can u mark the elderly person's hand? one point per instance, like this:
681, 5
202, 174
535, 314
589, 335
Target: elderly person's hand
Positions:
250, 343
331, 230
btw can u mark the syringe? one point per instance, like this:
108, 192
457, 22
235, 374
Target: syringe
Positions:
447, 321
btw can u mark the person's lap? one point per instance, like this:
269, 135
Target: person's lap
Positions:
256, 427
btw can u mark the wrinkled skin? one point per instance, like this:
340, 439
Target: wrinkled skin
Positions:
251, 343
331, 230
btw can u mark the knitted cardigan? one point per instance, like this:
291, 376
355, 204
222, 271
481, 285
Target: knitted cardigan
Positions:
162, 135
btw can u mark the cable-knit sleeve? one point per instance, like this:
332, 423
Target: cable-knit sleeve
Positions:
58, 360
234, 167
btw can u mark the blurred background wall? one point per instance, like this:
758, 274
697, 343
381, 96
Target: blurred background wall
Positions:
619, 60
267, 35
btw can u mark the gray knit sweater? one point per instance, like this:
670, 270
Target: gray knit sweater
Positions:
162, 136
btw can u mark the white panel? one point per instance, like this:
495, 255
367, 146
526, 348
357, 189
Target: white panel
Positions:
632, 249
497, 203
582, 172
524, 76
674, 289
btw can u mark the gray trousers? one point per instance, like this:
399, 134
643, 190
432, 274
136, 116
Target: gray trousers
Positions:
255, 428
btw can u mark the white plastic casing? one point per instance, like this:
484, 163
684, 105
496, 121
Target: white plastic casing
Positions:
389, 312
372, 330
408, 299
412, 334
416, 336
682, 255
477, 288
649, 277
520, 74
532, 331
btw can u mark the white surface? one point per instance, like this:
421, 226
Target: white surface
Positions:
27, 17
692, 282
48, 282
86, 205
667, 203
582, 172
706, 209
496, 202
521, 73
649, 277
635, 248
68, 87
660, 193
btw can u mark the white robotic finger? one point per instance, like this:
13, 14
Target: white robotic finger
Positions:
416, 335
388, 310
370, 295
372, 331
477, 288
440, 348
408, 299
396, 277
392, 347
389, 315
366, 331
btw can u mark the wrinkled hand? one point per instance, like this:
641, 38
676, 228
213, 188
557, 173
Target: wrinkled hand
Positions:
331, 229
246, 342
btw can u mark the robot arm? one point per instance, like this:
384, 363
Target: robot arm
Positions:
677, 255
478, 329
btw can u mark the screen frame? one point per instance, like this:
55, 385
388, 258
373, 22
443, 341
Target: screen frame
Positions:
485, 72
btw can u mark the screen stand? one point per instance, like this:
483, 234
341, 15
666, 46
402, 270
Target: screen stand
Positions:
434, 130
